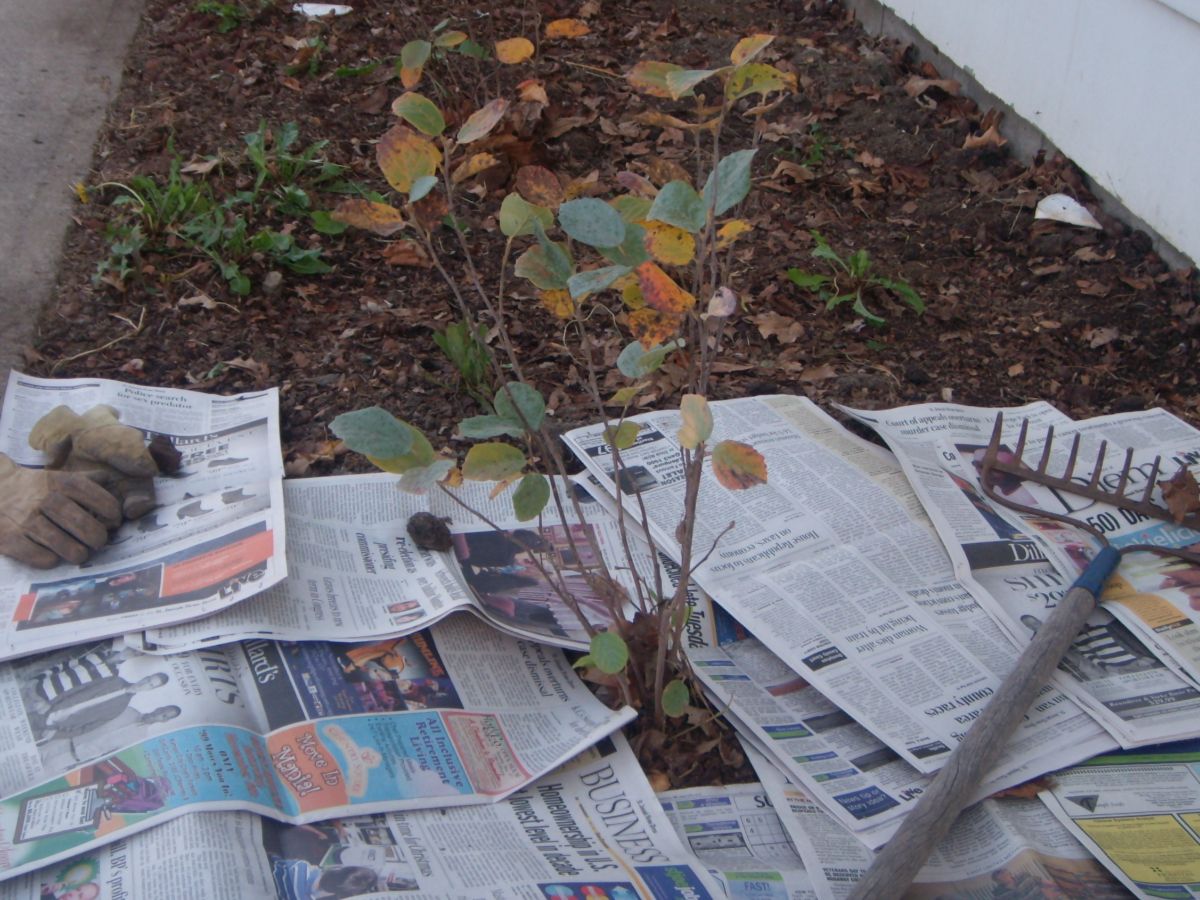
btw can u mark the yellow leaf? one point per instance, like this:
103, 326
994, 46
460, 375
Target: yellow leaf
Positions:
749, 47
410, 77
653, 328
404, 156
81, 191
631, 291
758, 78
450, 39
697, 421
738, 466
650, 77
377, 217
661, 292
731, 231
669, 244
567, 28
471, 167
514, 50
559, 303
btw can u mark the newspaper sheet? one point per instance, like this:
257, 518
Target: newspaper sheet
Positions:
357, 575
834, 567
216, 538
1007, 848
458, 714
1138, 812
736, 832
589, 830
1025, 565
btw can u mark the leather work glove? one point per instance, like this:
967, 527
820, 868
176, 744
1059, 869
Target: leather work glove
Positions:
47, 517
113, 455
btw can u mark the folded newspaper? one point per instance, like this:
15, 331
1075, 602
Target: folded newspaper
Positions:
591, 829
215, 539
103, 742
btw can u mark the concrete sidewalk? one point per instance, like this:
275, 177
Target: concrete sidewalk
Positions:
60, 66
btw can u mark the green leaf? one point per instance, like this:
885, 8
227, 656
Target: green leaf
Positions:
681, 83
584, 283
609, 652
729, 184
675, 698
630, 208
415, 54
810, 281
374, 432
592, 222
859, 263
650, 77
419, 112
822, 250
421, 455
482, 427
549, 269
904, 291
678, 204
623, 436
473, 50
421, 187
531, 496
636, 362
517, 216
625, 395
516, 396
324, 223
861, 308
632, 251
421, 480
492, 461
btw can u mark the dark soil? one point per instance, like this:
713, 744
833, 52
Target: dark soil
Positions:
873, 159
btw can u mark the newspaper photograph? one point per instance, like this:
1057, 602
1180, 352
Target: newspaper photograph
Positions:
735, 831
356, 574
459, 714
1138, 812
866, 607
215, 538
1025, 565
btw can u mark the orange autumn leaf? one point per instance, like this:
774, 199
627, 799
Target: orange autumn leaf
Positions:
731, 231
471, 167
410, 77
669, 244
533, 91
539, 186
558, 303
661, 292
653, 328
380, 218
404, 156
406, 253
514, 50
738, 466
567, 28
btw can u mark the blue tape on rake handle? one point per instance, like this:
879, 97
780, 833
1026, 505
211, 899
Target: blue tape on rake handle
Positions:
1093, 577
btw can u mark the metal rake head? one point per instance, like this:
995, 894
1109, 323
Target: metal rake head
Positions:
998, 462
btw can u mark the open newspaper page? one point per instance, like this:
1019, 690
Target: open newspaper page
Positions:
1023, 565
838, 574
590, 829
216, 538
357, 575
215, 856
997, 849
1139, 812
458, 714
735, 831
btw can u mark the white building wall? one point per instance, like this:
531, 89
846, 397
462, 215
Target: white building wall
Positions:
1114, 83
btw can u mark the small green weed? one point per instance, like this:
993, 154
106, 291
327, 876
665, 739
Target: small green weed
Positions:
228, 15
851, 277
470, 355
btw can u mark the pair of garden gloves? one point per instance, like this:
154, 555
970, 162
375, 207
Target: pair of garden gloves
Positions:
98, 473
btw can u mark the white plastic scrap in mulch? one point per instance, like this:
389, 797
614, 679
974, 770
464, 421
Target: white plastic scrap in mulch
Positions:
1061, 208
316, 10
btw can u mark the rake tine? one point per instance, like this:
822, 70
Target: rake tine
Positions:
1045, 460
1124, 479
1019, 453
1071, 459
1153, 480
994, 443
1099, 467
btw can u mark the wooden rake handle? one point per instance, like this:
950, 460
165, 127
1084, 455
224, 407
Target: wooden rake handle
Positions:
898, 863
